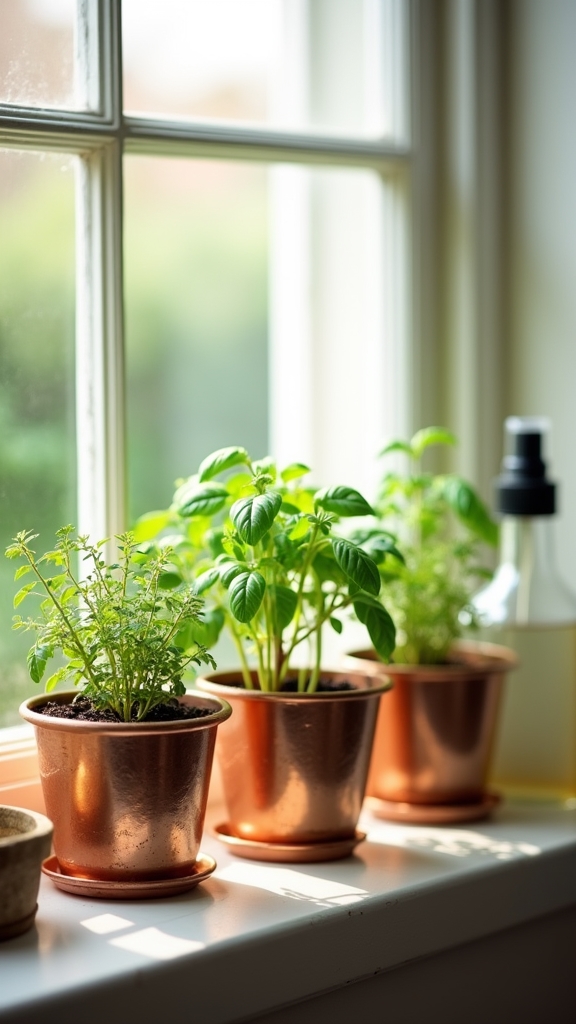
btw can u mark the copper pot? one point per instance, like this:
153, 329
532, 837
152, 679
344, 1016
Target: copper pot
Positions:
434, 737
127, 800
294, 765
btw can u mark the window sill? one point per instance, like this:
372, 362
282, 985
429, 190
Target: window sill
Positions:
256, 937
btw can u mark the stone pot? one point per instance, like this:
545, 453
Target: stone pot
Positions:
25, 839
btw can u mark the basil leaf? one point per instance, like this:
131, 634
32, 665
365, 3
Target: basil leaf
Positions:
343, 501
254, 516
357, 565
469, 508
200, 499
220, 460
246, 594
378, 622
284, 603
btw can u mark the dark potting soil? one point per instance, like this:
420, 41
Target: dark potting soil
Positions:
82, 709
324, 686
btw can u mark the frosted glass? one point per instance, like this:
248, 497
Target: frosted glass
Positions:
37, 54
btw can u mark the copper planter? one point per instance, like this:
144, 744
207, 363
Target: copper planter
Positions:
294, 766
127, 801
435, 733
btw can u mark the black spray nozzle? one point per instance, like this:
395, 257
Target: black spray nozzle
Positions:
523, 489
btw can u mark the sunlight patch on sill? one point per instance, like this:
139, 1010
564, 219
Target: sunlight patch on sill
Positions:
452, 842
104, 924
296, 885
156, 944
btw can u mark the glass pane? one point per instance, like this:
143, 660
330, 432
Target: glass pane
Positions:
37, 432
322, 65
196, 253
37, 53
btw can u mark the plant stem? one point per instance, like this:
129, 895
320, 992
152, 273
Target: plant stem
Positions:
246, 675
65, 618
299, 599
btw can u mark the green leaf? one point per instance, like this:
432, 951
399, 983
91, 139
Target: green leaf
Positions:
220, 460
289, 509
327, 569
169, 580
300, 528
150, 525
378, 545
336, 624
357, 565
197, 499
397, 446
284, 604
378, 622
214, 541
22, 571
27, 589
37, 658
246, 594
265, 467
239, 484
206, 580
343, 501
56, 677
469, 508
229, 571
254, 516
430, 435
294, 471
207, 631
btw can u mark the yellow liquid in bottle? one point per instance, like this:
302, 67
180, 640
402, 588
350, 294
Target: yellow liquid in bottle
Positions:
535, 750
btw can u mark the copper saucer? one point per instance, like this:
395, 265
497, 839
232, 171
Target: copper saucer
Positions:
106, 890
432, 814
288, 853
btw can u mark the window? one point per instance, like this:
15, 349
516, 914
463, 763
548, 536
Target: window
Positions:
220, 259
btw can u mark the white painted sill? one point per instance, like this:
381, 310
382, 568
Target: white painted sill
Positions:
255, 937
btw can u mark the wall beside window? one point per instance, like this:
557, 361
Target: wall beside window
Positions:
541, 329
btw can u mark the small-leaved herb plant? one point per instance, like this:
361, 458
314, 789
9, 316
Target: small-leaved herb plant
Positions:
439, 522
262, 547
121, 627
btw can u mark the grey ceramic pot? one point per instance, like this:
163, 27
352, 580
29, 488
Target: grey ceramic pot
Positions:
25, 839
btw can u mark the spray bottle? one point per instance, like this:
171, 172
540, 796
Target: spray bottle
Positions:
528, 607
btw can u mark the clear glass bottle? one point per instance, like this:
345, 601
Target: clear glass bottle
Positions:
528, 607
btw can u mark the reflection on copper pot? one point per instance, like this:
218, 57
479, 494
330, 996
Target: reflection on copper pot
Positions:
127, 800
435, 732
294, 765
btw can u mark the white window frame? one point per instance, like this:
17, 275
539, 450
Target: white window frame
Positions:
100, 137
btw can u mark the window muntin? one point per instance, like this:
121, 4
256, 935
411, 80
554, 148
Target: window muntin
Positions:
37, 418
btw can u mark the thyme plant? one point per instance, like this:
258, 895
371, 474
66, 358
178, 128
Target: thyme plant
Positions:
123, 628
440, 523
265, 550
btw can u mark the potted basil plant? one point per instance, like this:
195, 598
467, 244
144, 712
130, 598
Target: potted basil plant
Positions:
125, 762
265, 551
432, 748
